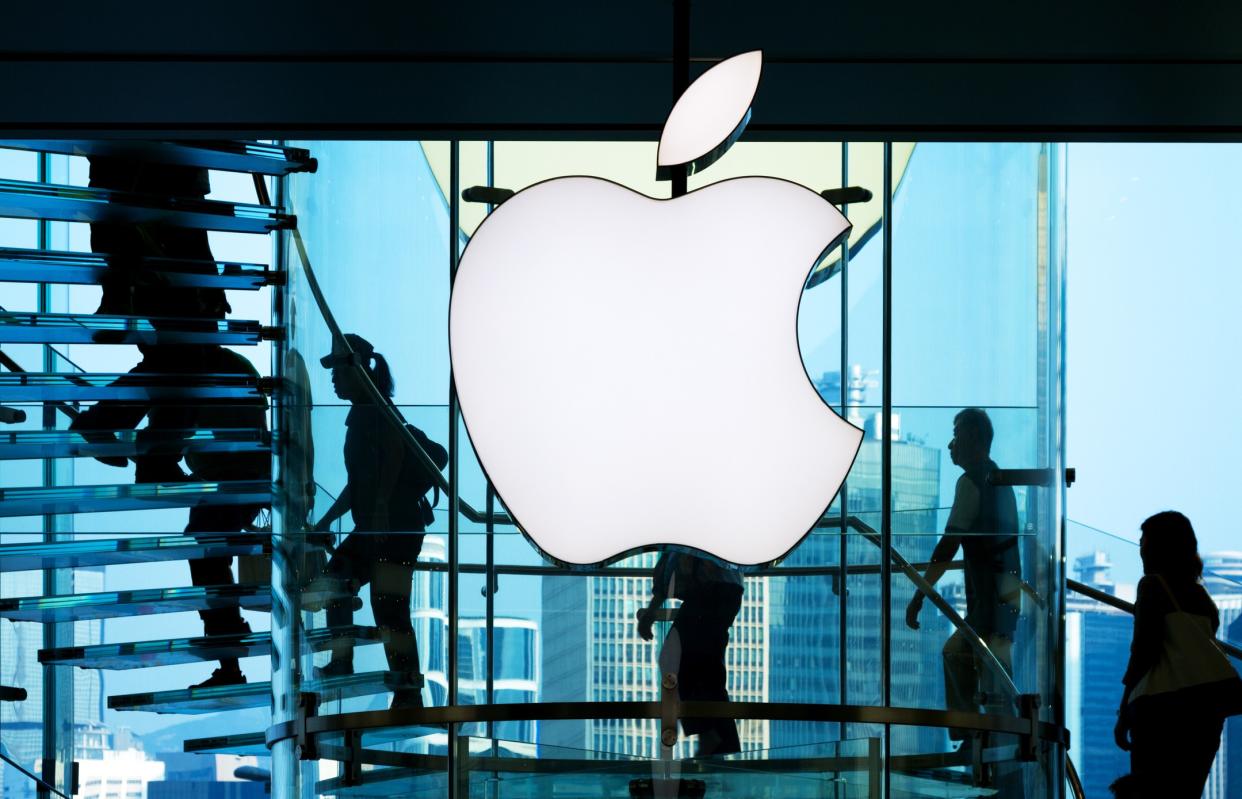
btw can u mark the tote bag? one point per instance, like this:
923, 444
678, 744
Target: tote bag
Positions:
1191, 659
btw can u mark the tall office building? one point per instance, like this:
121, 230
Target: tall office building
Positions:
20, 643
1097, 648
515, 675
1222, 577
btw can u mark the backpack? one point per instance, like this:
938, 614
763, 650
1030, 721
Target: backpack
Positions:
415, 481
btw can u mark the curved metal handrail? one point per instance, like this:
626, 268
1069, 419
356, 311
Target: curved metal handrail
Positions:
556, 711
1071, 777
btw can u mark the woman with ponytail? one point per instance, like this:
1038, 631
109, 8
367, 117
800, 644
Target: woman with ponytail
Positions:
388, 523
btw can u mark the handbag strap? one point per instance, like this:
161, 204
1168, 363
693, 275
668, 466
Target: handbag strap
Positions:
1169, 591
1178, 608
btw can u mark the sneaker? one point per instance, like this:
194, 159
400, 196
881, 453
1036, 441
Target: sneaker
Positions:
159, 472
221, 677
406, 698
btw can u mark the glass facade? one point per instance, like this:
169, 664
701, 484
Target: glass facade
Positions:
401, 635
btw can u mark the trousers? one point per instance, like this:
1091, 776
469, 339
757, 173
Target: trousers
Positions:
1172, 745
703, 623
970, 683
386, 562
219, 571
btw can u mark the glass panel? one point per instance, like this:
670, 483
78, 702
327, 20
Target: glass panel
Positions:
975, 304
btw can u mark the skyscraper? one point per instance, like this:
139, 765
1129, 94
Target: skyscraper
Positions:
1097, 647
1222, 577
20, 643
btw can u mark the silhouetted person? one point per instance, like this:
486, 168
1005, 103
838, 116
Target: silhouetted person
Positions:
130, 287
386, 495
983, 524
1170, 718
711, 597
164, 440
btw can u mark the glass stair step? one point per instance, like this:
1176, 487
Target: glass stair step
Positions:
19, 265
230, 156
242, 743
146, 654
107, 552
402, 782
50, 328
37, 501
256, 694
29, 200
25, 444
906, 786
142, 602
386, 735
86, 387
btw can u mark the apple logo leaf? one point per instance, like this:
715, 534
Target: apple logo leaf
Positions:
709, 116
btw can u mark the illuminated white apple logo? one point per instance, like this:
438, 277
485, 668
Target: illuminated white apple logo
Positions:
628, 368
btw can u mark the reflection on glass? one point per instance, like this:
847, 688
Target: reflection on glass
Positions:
386, 495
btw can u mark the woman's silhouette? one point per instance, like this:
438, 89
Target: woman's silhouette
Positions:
1170, 720
389, 521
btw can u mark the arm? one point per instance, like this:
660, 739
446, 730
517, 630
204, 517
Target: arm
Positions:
946, 549
338, 509
966, 501
1148, 621
659, 593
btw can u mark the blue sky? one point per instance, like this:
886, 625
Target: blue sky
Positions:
1153, 327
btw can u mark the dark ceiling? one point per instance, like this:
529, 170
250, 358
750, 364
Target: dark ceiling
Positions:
551, 68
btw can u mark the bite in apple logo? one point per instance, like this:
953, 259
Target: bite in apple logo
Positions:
628, 368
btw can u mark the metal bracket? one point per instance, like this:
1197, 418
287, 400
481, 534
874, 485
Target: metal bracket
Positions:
1028, 742
304, 744
669, 707
352, 767
981, 774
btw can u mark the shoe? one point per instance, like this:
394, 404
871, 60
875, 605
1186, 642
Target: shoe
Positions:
159, 472
406, 698
337, 667
221, 677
